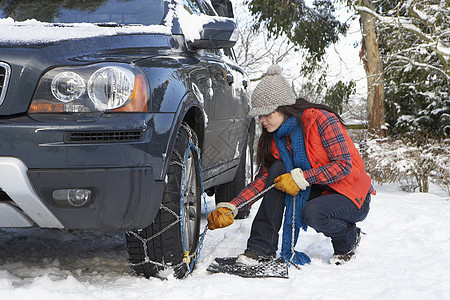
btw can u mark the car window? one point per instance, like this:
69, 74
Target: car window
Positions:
192, 7
207, 8
145, 12
223, 8
230, 53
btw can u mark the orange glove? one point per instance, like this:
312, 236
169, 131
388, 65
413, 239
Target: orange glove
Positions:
291, 183
222, 216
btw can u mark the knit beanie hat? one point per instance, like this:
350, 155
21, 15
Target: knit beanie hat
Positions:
272, 91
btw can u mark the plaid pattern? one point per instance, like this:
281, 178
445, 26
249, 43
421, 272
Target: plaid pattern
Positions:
252, 189
333, 140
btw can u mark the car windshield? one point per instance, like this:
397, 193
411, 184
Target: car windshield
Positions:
145, 12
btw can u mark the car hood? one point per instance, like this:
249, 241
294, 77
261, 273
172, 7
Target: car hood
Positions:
29, 61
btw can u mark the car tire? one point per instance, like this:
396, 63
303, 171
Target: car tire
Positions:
244, 175
162, 241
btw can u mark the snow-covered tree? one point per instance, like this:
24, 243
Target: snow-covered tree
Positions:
370, 55
414, 39
420, 29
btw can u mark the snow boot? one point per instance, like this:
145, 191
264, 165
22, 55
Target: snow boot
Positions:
341, 258
251, 258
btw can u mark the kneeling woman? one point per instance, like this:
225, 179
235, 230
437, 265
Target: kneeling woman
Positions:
318, 173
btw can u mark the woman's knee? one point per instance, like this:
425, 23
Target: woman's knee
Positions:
317, 214
311, 213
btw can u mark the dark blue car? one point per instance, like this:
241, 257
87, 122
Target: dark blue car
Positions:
106, 109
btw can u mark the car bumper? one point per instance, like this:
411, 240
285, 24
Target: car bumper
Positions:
121, 198
119, 158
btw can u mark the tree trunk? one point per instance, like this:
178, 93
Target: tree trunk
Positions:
373, 66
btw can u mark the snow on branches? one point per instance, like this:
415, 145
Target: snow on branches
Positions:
414, 165
418, 29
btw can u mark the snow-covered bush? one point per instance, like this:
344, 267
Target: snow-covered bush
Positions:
414, 165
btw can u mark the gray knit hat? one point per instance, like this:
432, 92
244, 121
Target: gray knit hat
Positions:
272, 91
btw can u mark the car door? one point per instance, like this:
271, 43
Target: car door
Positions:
219, 142
240, 100
220, 148
237, 81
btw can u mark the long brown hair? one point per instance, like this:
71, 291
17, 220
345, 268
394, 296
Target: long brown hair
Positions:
264, 157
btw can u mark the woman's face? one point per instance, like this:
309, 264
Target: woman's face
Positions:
272, 121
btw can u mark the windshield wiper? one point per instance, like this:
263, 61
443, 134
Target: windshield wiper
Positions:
59, 25
109, 24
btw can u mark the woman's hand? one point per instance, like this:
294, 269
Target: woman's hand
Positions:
291, 183
222, 216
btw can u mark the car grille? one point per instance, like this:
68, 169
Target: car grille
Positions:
5, 72
104, 136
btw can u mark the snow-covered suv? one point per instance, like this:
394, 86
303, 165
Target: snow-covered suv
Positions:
106, 108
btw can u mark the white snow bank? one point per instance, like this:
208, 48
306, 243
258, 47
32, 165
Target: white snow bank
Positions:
405, 254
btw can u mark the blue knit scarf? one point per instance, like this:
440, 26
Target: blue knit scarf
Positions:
297, 160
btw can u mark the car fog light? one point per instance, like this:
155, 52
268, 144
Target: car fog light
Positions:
72, 197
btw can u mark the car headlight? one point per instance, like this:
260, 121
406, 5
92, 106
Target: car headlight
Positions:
110, 88
67, 86
105, 87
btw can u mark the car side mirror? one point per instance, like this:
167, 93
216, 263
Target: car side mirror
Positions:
216, 34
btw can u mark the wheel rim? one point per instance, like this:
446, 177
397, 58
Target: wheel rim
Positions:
190, 199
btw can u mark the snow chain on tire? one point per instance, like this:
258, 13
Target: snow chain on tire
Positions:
189, 258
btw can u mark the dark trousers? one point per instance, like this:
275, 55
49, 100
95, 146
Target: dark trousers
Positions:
334, 215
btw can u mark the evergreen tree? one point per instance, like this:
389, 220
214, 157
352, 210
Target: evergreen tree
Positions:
413, 44
313, 28
338, 95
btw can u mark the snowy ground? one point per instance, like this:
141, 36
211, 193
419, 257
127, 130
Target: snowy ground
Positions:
404, 255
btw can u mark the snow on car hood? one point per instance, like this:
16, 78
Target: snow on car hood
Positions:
35, 32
